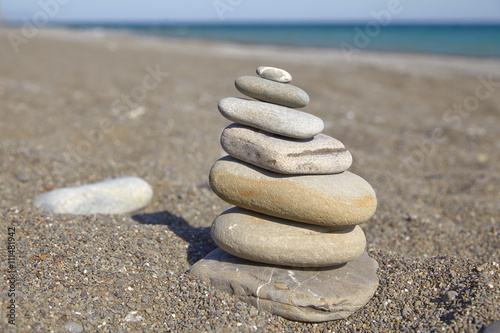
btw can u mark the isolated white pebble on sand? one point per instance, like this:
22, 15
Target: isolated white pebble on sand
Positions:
112, 196
73, 327
274, 74
133, 317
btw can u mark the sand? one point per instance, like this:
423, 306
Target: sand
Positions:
423, 131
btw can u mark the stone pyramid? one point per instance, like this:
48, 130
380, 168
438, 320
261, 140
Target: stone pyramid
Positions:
292, 245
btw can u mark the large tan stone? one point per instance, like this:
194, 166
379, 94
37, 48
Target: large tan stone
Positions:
331, 200
276, 241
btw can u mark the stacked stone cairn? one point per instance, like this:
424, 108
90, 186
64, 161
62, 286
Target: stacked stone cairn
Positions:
292, 245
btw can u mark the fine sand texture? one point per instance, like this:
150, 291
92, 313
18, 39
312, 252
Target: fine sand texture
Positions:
79, 107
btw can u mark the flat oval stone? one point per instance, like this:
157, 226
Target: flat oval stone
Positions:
332, 200
301, 294
320, 155
272, 92
271, 240
274, 74
113, 196
271, 118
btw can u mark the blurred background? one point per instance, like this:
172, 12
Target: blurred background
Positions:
454, 27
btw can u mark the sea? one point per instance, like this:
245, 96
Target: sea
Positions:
445, 39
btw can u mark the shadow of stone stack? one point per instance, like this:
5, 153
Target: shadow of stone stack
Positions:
292, 245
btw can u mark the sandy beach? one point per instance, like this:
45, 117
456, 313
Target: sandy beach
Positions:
423, 131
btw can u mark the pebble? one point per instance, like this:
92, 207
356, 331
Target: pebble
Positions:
73, 327
333, 200
274, 74
133, 317
307, 295
406, 311
320, 155
276, 241
271, 118
272, 92
112, 196
253, 312
450, 295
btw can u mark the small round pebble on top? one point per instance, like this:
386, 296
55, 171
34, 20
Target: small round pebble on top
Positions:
274, 74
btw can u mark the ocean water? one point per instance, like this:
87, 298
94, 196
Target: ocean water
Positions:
462, 40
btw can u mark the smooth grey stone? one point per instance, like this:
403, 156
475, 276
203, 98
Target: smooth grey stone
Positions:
272, 92
493, 328
112, 196
302, 294
276, 241
320, 155
332, 200
274, 74
271, 118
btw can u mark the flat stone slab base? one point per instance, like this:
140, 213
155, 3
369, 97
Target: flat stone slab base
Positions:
301, 294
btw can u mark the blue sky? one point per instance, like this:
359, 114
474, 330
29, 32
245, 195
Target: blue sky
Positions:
455, 11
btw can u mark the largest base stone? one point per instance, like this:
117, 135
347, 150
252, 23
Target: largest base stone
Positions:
301, 294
